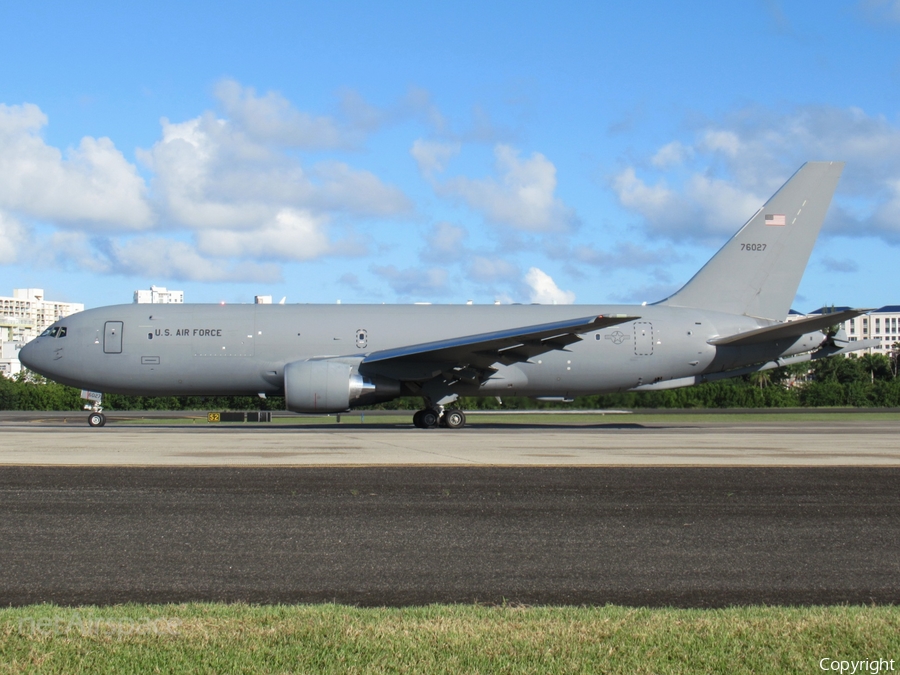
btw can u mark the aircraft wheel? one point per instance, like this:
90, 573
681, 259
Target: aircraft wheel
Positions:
417, 419
453, 419
96, 419
429, 418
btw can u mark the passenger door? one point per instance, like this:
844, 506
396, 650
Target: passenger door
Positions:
112, 337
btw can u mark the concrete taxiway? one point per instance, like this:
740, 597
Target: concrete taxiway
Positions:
868, 441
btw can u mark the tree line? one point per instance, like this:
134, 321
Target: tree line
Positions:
869, 380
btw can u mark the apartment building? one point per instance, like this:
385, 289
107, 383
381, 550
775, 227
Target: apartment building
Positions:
24, 316
158, 295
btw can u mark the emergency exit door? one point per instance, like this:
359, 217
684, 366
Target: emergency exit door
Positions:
112, 337
643, 338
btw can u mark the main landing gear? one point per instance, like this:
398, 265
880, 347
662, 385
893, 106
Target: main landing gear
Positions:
430, 418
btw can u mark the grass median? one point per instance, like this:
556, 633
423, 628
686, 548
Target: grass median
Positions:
217, 638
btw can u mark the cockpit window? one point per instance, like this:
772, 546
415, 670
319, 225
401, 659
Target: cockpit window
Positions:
54, 332
62, 332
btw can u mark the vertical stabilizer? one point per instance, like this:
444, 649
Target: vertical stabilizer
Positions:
758, 271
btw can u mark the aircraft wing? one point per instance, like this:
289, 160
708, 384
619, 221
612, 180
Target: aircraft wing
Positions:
792, 329
478, 353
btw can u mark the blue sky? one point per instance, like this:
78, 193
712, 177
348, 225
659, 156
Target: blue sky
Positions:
403, 152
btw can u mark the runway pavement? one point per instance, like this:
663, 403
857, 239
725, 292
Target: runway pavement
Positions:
669, 513
697, 537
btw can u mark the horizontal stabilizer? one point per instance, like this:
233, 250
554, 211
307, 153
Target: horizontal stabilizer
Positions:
841, 348
792, 329
849, 347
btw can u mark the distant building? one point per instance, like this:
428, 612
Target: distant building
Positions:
9, 359
158, 295
24, 316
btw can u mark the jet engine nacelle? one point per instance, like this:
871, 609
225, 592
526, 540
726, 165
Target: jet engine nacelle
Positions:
331, 385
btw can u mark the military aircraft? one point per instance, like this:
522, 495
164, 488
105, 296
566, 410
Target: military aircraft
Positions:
728, 320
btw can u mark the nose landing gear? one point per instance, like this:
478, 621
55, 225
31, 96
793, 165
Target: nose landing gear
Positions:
96, 418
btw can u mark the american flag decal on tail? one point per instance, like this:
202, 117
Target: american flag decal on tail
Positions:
775, 219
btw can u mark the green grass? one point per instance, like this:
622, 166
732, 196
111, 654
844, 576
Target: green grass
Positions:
215, 638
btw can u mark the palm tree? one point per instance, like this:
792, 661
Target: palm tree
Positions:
761, 378
873, 362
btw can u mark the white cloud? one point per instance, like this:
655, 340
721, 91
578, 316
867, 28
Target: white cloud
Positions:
413, 282
144, 256
234, 189
882, 10
488, 270
432, 156
12, 238
445, 242
761, 148
622, 255
835, 265
92, 184
166, 259
340, 187
522, 197
671, 154
545, 291
291, 235
723, 207
725, 142
73, 250
351, 281
885, 219
272, 119
704, 209
654, 202
735, 164
210, 174
204, 175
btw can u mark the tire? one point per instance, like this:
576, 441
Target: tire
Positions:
429, 418
453, 419
417, 419
96, 419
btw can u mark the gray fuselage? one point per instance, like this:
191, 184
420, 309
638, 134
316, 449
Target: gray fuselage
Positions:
243, 349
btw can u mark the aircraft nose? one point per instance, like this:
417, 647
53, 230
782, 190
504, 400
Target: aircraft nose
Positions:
27, 355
